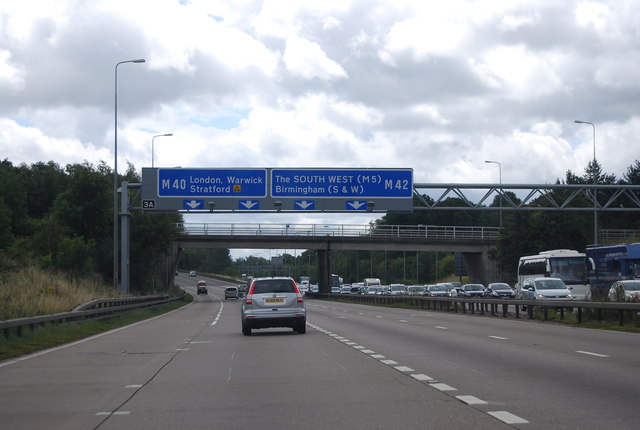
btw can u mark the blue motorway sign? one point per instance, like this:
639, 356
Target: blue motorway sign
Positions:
192, 183
342, 183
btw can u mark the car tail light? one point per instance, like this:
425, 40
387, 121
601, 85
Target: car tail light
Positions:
298, 294
249, 299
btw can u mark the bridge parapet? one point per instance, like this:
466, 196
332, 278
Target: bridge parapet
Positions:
341, 230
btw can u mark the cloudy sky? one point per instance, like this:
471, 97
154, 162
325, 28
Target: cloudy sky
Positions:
439, 87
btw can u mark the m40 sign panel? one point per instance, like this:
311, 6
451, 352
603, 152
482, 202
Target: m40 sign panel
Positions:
194, 183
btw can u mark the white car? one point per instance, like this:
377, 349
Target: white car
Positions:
544, 289
625, 291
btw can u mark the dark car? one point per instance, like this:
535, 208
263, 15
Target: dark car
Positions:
273, 302
201, 288
500, 290
473, 290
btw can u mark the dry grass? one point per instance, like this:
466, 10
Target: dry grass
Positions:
32, 291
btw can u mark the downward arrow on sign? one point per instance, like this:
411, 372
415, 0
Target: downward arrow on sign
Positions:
249, 204
193, 204
304, 204
357, 204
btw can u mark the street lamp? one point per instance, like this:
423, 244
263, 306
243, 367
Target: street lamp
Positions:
115, 176
593, 173
154, 138
500, 176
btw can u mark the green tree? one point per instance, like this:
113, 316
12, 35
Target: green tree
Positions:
74, 257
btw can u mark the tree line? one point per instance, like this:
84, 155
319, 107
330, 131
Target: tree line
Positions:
62, 219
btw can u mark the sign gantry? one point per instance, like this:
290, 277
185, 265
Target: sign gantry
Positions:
271, 189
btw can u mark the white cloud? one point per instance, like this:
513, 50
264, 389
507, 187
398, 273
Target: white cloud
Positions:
307, 60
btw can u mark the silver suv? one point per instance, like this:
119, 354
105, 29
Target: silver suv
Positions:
273, 302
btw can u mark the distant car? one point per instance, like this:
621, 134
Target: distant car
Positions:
345, 289
193, 274
397, 290
231, 293
626, 290
472, 290
355, 289
417, 290
500, 290
242, 290
374, 290
273, 302
201, 288
335, 290
452, 290
544, 289
437, 290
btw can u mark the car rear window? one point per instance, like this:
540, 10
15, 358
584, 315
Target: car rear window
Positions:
273, 286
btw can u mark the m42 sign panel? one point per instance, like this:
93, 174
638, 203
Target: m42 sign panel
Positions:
342, 183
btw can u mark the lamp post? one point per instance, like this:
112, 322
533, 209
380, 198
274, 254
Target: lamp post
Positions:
154, 138
593, 173
115, 176
500, 176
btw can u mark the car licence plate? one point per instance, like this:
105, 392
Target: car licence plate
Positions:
274, 300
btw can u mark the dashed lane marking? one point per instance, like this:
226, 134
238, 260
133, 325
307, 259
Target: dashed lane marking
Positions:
471, 400
504, 416
593, 354
421, 377
442, 387
508, 417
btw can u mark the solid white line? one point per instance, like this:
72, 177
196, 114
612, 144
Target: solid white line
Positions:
592, 353
508, 417
471, 400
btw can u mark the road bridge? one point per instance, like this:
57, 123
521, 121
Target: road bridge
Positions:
474, 243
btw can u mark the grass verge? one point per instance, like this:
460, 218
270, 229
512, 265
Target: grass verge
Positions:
54, 335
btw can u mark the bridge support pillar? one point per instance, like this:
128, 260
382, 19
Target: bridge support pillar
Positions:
480, 267
324, 271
